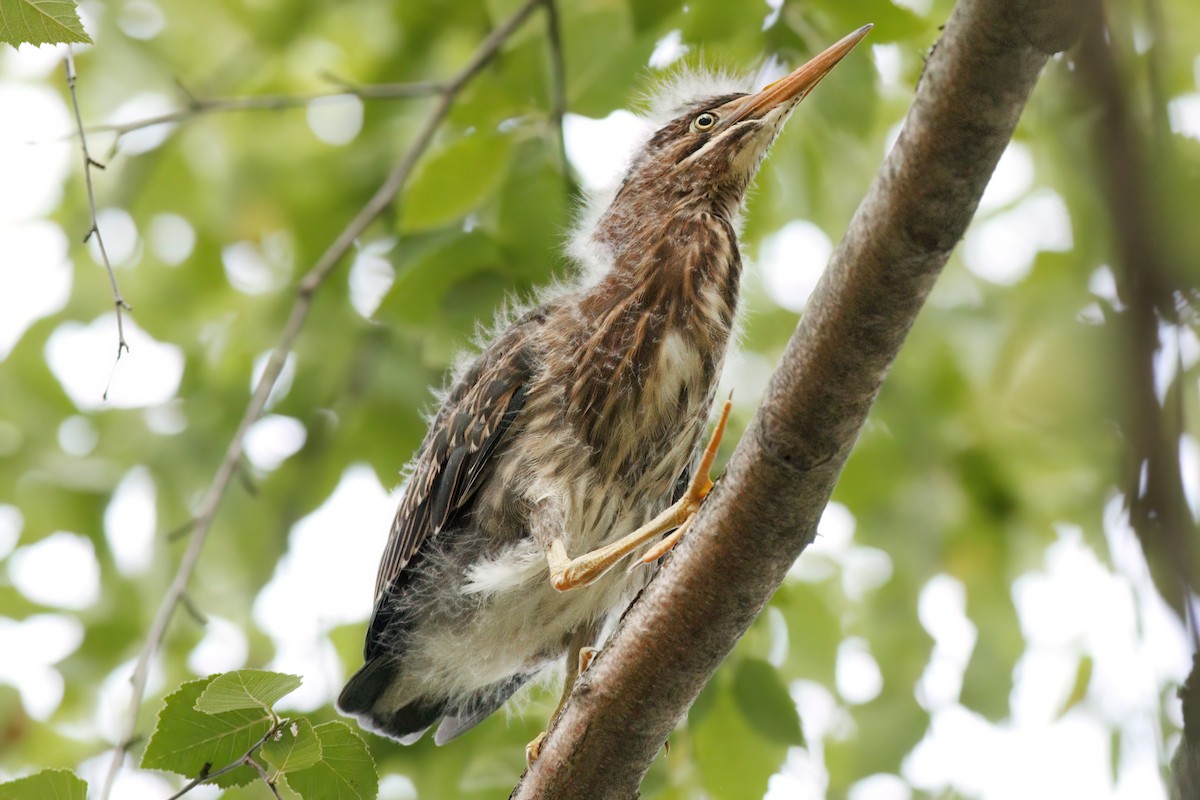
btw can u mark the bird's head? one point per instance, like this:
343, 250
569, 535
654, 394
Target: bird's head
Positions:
709, 151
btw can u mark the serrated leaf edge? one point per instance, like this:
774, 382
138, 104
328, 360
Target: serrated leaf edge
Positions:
356, 735
254, 702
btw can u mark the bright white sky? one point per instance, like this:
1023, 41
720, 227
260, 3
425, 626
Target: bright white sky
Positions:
1073, 605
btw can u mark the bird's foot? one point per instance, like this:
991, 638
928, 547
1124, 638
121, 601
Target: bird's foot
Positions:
534, 749
571, 573
664, 546
701, 485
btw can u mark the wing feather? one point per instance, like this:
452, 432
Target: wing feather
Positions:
458, 452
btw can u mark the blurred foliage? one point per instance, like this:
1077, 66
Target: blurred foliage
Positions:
999, 421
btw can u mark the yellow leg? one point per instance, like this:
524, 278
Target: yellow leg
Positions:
663, 547
579, 658
572, 573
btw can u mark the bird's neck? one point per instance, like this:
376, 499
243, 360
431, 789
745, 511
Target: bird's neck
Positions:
650, 339
682, 262
677, 281
644, 213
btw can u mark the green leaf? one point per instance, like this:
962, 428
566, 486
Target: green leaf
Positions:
49, 784
40, 22
346, 770
647, 14
455, 180
1083, 679
892, 23
430, 288
987, 681
765, 703
189, 742
294, 747
733, 760
822, 630
246, 688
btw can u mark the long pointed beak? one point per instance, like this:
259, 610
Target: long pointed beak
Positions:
799, 83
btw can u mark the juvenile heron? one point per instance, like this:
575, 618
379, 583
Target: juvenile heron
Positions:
571, 433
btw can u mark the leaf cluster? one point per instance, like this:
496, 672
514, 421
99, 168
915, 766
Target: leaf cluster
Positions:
223, 730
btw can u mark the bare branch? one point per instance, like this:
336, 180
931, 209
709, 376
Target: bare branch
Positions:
723, 572
1149, 286
245, 475
181, 531
262, 773
273, 102
558, 79
94, 230
1153, 289
305, 292
193, 611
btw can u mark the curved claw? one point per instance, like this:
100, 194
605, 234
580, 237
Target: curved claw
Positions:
534, 749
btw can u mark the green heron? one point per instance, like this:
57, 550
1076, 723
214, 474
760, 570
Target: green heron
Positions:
573, 429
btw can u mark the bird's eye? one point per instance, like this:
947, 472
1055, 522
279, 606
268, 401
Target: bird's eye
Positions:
704, 121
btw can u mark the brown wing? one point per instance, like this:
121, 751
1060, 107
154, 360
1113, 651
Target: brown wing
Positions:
458, 450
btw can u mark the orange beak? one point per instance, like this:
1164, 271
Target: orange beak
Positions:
799, 83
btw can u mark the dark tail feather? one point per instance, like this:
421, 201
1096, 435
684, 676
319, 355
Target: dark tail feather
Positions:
365, 686
408, 723
360, 698
481, 705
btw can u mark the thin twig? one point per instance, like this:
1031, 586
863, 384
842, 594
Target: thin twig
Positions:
94, 230
181, 531
558, 82
246, 759
305, 291
262, 773
273, 102
185, 91
193, 610
246, 475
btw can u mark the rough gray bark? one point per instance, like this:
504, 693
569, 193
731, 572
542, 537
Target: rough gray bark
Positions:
765, 510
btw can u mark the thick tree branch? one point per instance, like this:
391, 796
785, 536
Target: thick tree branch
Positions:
765, 510
305, 292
